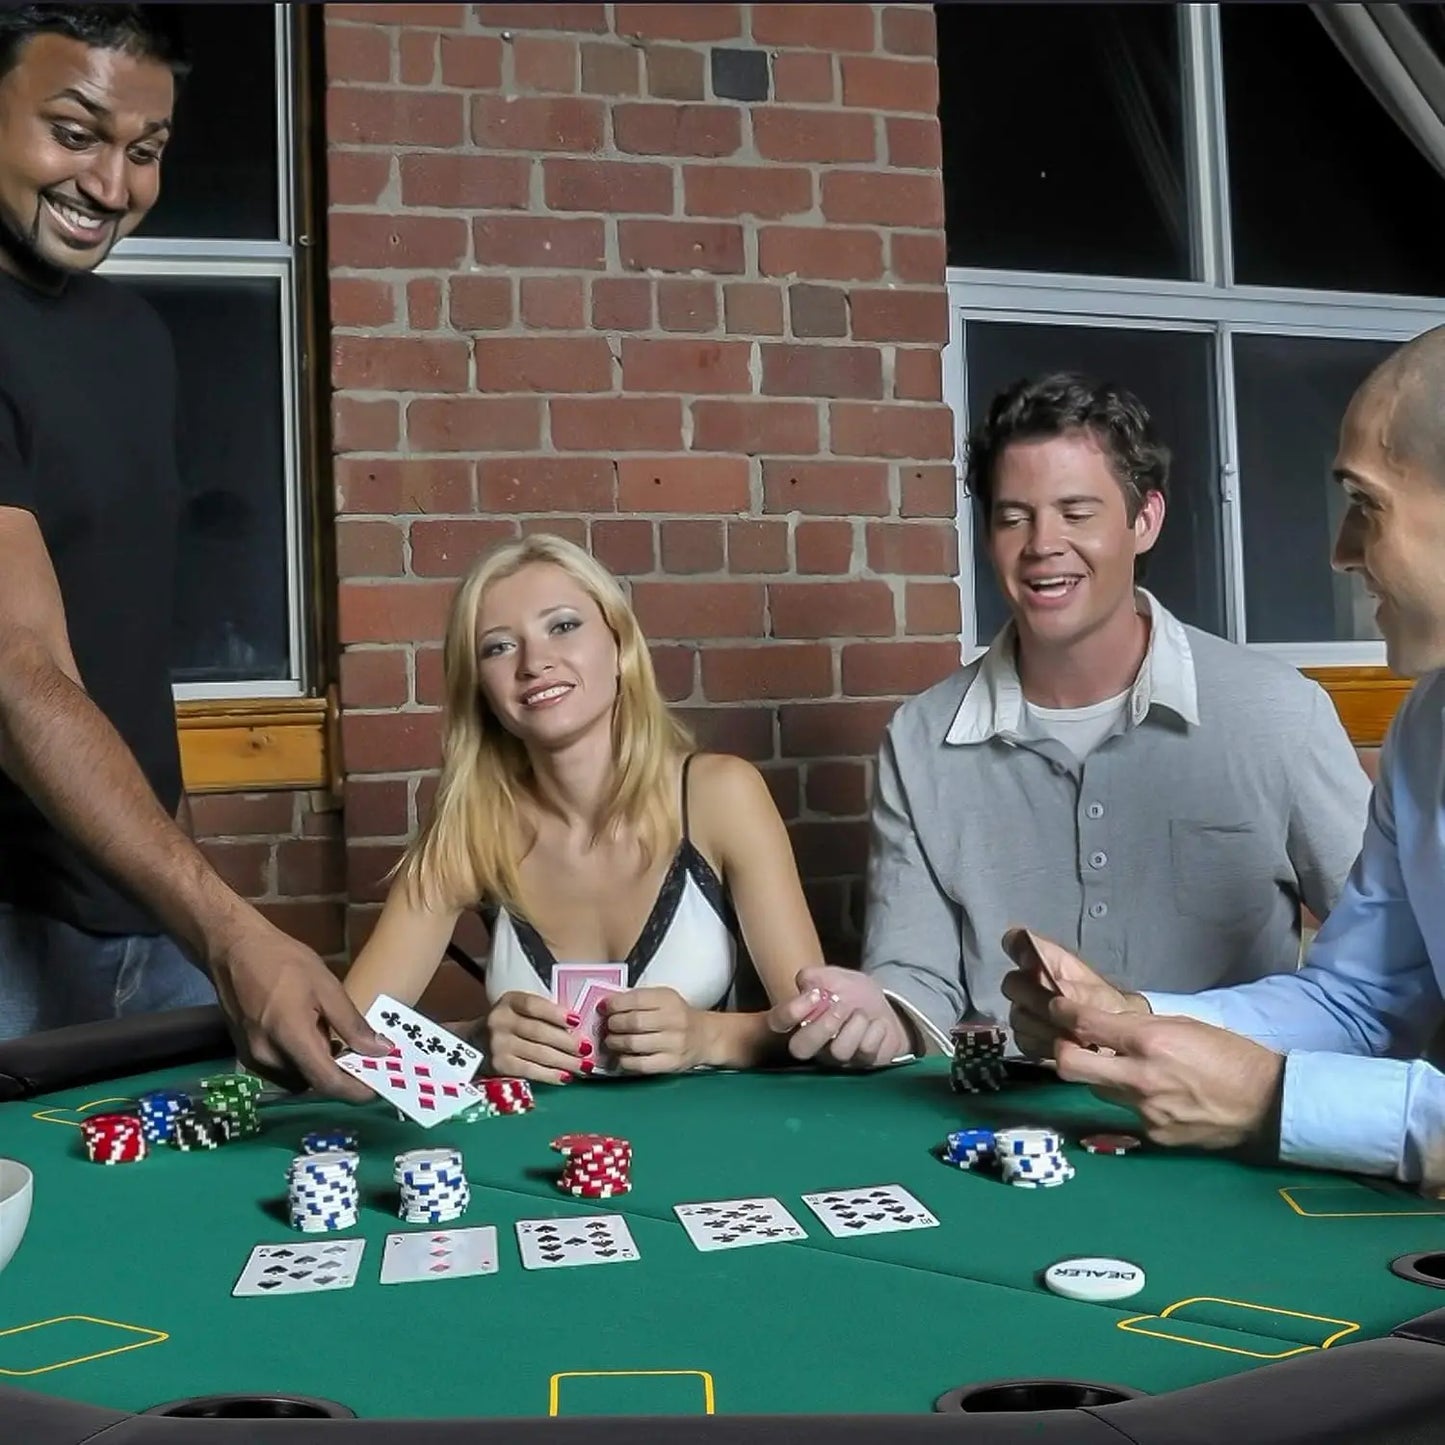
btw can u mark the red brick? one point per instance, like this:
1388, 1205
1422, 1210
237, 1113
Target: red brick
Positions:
682, 484
800, 78
783, 133
360, 301
692, 546
677, 130
376, 808
814, 27
890, 315
364, 426
753, 308
918, 256
544, 17
932, 609
572, 529
694, 367
771, 670
756, 545
369, 549
699, 609
544, 363
817, 310
310, 867
391, 611
621, 303
752, 427
833, 729
545, 484
417, 57
914, 144
872, 669
540, 242
368, 869
618, 424
688, 246
782, 783
398, 363
830, 849
321, 820
356, 178
527, 123
607, 186
543, 63
767, 191
442, 16
430, 679
831, 609
746, 732
882, 84
554, 302
686, 305
390, 742
674, 73
318, 925
474, 424
392, 487
883, 198
367, 117
233, 815
913, 548
917, 374
909, 30
860, 430
609, 69
790, 370
380, 243
624, 546
374, 677
838, 789
472, 183
824, 547
674, 667
928, 491
473, 62
357, 54
836, 489
480, 303
244, 867
447, 548
424, 303
679, 22
827, 253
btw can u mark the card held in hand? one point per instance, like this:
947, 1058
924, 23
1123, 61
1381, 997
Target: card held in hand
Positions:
411, 1087
421, 1041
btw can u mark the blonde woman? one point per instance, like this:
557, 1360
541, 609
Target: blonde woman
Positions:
573, 812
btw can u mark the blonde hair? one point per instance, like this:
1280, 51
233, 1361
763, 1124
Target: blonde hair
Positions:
471, 847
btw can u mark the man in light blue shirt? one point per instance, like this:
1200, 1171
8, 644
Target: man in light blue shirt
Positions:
1334, 1048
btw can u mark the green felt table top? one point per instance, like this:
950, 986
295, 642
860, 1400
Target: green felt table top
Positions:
1244, 1265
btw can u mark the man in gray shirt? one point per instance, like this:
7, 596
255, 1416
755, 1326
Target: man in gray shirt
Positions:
1151, 796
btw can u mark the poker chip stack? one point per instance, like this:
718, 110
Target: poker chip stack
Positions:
322, 1191
237, 1095
159, 1110
433, 1185
1032, 1158
977, 1058
113, 1138
327, 1141
598, 1165
201, 1128
969, 1149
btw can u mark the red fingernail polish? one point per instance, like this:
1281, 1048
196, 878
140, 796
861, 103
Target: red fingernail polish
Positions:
584, 1048
566, 1078
586, 1066
573, 1020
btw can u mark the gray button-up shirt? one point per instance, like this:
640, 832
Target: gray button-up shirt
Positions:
1175, 857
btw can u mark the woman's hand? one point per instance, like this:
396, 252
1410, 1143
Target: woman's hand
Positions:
654, 1031
528, 1037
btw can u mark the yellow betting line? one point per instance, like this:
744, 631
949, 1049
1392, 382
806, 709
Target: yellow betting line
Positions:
553, 1389
47, 1116
1348, 1327
156, 1337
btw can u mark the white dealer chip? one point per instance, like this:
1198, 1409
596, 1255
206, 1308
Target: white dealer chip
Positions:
1094, 1280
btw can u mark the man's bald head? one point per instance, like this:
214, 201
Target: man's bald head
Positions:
1406, 392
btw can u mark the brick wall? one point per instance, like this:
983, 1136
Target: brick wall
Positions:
667, 279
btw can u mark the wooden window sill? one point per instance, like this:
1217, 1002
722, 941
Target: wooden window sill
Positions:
1366, 699
234, 747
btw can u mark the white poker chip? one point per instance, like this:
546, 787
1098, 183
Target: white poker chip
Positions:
1094, 1280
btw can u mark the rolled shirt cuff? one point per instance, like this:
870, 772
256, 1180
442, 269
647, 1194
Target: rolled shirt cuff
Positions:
1341, 1111
1185, 1005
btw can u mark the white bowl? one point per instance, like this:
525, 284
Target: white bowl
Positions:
17, 1187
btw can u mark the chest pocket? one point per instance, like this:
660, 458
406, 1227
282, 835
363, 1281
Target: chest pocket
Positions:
1222, 872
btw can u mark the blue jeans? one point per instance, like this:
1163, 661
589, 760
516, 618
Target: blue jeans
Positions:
53, 974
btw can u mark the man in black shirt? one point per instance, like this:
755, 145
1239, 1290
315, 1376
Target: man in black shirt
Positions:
96, 878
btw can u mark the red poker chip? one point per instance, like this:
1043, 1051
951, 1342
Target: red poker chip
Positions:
566, 1143
1110, 1143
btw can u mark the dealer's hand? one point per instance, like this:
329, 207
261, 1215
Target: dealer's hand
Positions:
840, 1016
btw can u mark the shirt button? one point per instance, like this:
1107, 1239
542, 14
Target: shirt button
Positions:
1097, 860
1095, 810
1098, 910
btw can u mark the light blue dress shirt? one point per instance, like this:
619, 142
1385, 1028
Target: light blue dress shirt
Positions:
1354, 1019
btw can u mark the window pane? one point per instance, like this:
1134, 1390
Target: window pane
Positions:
1171, 372
1063, 138
1326, 191
231, 604
219, 174
1290, 396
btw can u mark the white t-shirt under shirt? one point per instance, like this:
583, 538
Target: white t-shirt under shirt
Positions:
1080, 729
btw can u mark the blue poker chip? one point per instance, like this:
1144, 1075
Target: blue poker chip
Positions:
323, 1141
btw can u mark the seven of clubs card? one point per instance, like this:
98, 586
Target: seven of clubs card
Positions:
876, 1209
301, 1268
591, 1239
733, 1223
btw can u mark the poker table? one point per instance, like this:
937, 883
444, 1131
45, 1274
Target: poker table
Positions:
1270, 1310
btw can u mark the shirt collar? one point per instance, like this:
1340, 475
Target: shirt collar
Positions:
993, 705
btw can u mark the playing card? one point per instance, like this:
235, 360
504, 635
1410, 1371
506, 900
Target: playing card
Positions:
570, 979
412, 1087
733, 1223
594, 1023
593, 1239
301, 1268
422, 1041
875, 1209
439, 1254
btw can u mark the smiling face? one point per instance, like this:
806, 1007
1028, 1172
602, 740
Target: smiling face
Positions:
81, 135
547, 661
1061, 540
